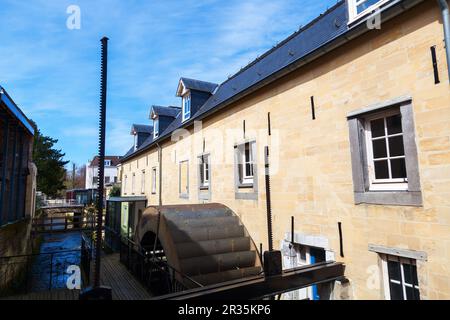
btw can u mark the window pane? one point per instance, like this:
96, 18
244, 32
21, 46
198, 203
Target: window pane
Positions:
398, 168
394, 270
202, 178
396, 146
412, 294
248, 170
366, 4
394, 124
377, 128
381, 170
396, 291
410, 272
379, 149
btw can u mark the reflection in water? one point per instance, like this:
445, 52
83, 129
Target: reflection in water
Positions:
49, 270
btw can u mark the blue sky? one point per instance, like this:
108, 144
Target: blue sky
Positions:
52, 72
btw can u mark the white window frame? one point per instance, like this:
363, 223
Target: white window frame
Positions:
155, 127
154, 180
186, 115
125, 180
133, 181
247, 178
107, 163
386, 281
392, 184
353, 11
143, 182
184, 194
205, 171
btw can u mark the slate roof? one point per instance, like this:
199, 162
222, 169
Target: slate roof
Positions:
198, 85
115, 160
325, 29
171, 111
141, 128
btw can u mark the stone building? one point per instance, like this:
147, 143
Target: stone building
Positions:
354, 109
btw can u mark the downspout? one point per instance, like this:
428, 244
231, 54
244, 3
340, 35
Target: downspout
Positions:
160, 173
446, 21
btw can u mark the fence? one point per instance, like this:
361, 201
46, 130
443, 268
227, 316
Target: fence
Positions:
60, 203
62, 223
152, 270
36, 272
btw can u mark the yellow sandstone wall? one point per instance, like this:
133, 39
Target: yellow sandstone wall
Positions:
314, 177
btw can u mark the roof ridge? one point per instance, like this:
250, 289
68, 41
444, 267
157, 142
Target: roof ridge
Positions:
284, 41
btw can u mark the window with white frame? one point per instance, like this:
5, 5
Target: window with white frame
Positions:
386, 152
204, 171
400, 278
186, 107
133, 180
184, 179
245, 163
143, 182
359, 8
125, 183
385, 166
155, 127
246, 170
154, 181
107, 163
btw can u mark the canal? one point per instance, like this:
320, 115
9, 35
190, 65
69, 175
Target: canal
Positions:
49, 269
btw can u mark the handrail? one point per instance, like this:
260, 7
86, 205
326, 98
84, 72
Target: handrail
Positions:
39, 254
144, 252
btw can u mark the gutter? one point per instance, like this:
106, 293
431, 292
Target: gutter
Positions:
360, 28
446, 21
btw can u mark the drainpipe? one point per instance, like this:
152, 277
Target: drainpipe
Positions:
160, 173
446, 20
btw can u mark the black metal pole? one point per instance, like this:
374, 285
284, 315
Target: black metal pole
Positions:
101, 160
268, 200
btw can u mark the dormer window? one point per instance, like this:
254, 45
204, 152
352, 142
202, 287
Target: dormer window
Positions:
155, 128
359, 8
107, 163
186, 107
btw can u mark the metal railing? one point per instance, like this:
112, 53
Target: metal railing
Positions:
24, 274
62, 223
60, 203
152, 270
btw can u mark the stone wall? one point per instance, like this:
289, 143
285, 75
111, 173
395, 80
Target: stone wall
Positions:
311, 160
